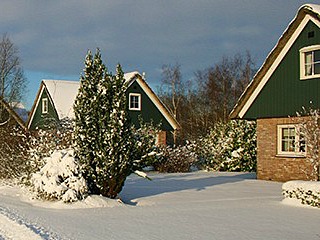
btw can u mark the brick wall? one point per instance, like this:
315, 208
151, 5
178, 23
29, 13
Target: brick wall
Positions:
273, 167
161, 138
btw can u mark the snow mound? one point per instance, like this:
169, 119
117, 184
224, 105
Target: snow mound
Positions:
60, 178
302, 192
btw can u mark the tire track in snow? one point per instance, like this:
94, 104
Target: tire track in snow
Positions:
13, 226
12, 230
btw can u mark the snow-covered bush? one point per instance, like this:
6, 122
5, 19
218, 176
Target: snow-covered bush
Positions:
175, 159
145, 150
60, 178
43, 142
306, 192
229, 146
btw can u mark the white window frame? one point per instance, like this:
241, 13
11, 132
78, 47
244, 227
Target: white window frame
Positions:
139, 101
296, 152
44, 105
303, 51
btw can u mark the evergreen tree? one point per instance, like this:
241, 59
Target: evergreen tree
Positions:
103, 138
86, 132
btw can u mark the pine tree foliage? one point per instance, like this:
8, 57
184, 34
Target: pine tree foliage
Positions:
229, 146
103, 138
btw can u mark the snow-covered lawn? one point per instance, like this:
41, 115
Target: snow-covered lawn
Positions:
199, 205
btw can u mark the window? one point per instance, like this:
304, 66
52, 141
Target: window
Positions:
135, 101
44, 105
290, 142
310, 62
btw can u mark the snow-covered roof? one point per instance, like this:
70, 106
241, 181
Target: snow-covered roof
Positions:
312, 7
64, 92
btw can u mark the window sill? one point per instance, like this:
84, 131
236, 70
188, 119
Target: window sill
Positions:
309, 77
291, 155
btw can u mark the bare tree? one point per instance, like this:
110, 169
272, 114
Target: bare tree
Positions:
226, 81
209, 97
12, 79
309, 130
172, 91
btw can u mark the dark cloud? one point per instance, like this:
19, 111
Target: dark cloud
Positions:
54, 36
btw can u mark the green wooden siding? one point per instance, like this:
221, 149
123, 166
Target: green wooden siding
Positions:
40, 119
149, 112
285, 94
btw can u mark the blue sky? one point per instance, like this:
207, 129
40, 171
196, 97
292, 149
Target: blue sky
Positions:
54, 36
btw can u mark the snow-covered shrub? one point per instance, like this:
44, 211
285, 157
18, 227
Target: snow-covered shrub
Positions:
307, 192
60, 178
229, 146
145, 150
175, 159
43, 142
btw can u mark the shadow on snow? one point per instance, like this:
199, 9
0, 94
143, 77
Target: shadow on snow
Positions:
136, 187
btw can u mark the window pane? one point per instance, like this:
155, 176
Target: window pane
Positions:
288, 140
284, 146
316, 56
308, 70
317, 68
285, 132
291, 145
292, 132
308, 58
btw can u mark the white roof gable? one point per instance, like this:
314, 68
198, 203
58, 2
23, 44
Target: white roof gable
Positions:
63, 94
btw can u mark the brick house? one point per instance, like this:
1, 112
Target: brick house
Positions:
288, 80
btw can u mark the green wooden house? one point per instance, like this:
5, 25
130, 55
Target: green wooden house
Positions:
288, 80
55, 98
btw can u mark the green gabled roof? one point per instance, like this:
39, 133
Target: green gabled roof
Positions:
305, 14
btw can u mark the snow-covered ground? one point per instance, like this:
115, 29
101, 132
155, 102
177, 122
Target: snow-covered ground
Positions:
199, 205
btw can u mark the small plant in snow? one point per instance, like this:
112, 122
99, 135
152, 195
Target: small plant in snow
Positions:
176, 159
60, 178
306, 192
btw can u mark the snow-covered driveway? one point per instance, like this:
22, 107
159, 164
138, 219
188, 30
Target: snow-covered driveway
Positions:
11, 229
196, 205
